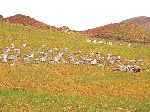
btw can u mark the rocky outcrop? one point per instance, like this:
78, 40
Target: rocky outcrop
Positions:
1, 16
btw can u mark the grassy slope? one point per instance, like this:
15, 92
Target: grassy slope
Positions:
99, 88
22, 100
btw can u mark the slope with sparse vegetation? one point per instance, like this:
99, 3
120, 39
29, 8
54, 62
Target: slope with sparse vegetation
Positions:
67, 87
131, 30
28, 21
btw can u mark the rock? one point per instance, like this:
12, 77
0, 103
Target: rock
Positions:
1, 17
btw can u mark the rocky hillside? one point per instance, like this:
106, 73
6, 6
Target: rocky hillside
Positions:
131, 30
141, 21
28, 21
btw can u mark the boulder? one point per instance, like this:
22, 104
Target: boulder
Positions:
1, 17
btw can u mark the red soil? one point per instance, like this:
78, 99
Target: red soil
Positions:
102, 29
28, 21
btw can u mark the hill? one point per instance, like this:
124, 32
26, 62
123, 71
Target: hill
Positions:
131, 30
102, 29
67, 87
28, 21
141, 21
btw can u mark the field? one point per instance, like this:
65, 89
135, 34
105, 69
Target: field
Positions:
67, 87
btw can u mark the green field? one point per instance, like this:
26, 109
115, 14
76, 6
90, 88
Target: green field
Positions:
71, 88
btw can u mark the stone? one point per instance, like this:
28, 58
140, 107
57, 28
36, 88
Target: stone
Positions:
1, 16
27, 60
94, 62
11, 57
129, 68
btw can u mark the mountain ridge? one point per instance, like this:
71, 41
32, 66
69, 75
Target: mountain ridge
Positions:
135, 29
28, 21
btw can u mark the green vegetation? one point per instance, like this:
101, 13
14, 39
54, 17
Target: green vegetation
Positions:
22, 100
66, 87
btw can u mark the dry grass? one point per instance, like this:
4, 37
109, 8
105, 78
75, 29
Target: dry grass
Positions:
89, 86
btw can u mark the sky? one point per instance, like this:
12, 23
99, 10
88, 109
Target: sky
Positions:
76, 14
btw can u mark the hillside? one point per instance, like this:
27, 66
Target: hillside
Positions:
70, 87
141, 21
131, 30
28, 21
103, 29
